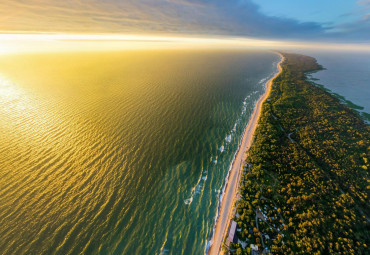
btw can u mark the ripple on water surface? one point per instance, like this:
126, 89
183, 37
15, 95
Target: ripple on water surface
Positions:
120, 153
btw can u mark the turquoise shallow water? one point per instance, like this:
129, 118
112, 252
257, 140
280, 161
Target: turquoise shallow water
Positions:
121, 152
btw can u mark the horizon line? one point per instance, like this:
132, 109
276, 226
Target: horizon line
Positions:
140, 40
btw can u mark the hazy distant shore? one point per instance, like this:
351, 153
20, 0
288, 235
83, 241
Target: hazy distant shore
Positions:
231, 193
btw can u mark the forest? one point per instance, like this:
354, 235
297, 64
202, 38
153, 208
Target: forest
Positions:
305, 187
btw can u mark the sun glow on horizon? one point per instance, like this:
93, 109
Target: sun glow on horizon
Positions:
13, 43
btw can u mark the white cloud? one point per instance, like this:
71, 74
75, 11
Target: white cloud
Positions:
216, 17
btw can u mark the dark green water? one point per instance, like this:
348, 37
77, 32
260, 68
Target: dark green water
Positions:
121, 152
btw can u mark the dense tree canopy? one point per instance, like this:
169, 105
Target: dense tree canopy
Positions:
306, 185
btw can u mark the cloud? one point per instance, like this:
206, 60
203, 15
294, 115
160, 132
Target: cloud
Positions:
357, 30
197, 17
364, 3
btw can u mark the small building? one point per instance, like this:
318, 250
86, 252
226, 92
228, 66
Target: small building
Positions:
254, 249
231, 237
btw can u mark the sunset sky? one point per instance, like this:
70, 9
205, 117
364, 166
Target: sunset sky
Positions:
319, 21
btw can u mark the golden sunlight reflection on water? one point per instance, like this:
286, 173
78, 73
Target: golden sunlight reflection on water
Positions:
99, 152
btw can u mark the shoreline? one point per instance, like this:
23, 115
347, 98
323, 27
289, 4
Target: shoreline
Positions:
302, 131
231, 190
358, 108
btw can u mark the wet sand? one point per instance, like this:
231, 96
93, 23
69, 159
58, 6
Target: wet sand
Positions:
231, 195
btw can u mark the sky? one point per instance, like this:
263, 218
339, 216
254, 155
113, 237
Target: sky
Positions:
339, 21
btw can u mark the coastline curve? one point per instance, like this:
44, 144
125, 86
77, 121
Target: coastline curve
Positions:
230, 193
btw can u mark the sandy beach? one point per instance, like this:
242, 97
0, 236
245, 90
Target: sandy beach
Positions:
231, 195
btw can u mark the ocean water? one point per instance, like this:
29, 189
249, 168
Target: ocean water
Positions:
120, 152
346, 73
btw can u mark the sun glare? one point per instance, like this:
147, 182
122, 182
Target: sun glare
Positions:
19, 43
4, 49
16, 43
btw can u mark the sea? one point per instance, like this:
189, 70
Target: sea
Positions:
123, 152
346, 73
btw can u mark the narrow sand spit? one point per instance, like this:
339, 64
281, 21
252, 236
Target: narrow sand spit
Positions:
231, 195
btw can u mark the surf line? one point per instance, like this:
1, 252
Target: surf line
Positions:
230, 194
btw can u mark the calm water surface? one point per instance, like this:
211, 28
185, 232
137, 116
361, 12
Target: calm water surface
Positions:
346, 73
122, 152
